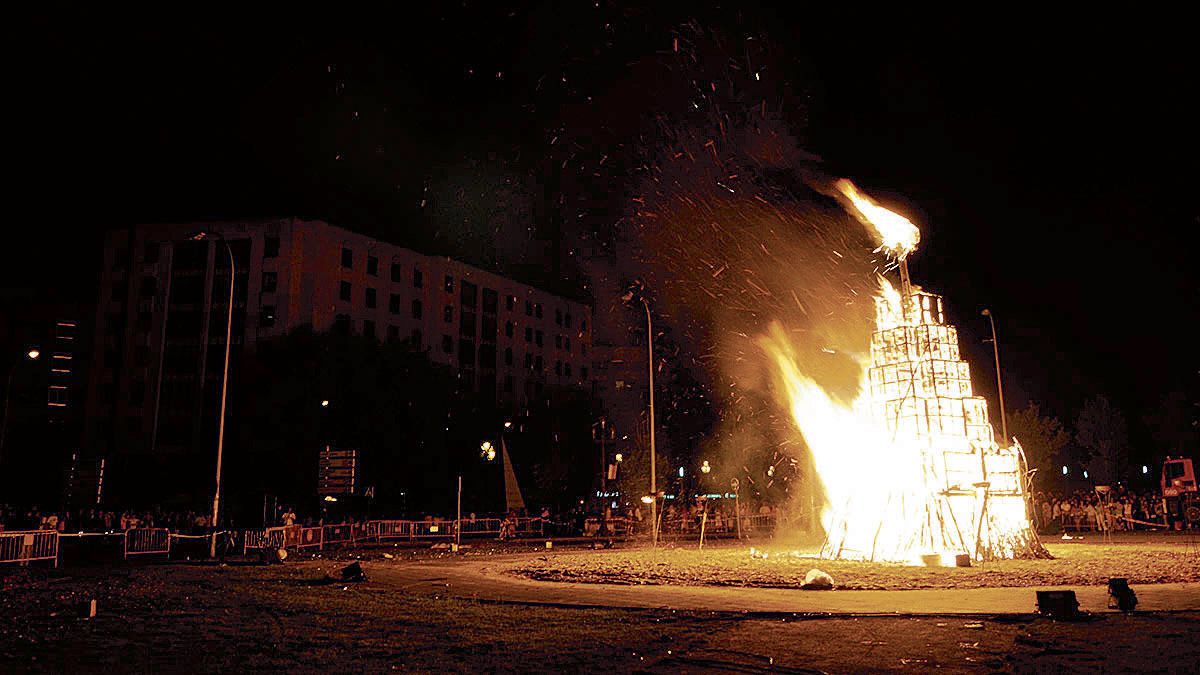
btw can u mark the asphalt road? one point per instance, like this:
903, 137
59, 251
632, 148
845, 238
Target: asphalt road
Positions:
486, 578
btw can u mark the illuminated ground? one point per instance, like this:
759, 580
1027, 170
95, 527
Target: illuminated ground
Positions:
413, 615
1143, 559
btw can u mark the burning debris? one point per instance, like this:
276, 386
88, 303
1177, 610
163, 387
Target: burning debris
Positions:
910, 468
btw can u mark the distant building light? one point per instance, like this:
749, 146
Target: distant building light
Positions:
1065, 470
1085, 475
1145, 469
681, 472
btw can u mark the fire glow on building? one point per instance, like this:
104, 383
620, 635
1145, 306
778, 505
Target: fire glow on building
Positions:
910, 469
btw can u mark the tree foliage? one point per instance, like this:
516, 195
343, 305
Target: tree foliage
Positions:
1101, 430
1042, 436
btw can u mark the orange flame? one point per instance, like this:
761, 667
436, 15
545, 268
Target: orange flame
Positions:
897, 234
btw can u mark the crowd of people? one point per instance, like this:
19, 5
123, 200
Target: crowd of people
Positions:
1091, 511
99, 520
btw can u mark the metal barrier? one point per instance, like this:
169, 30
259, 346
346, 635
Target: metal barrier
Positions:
480, 526
338, 534
432, 529
380, 530
529, 527
26, 546
310, 537
147, 540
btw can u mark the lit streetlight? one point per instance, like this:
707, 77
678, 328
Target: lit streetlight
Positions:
999, 382
487, 451
705, 468
216, 510
324, 403
636, 293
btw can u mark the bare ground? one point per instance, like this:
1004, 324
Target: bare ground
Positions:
1074, 564
190, 618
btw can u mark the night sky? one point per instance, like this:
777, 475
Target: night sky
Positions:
1051, 164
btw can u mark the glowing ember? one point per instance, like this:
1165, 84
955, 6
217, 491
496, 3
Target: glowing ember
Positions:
897, 234
910, 469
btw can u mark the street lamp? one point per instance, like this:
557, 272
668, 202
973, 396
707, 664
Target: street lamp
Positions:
637, 292
31, 355
487, 450
324, 403
999, 383
216, 510
705, 468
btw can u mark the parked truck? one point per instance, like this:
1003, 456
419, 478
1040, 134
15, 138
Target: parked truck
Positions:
1181, 497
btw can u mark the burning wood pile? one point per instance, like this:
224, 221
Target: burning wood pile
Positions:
910, 469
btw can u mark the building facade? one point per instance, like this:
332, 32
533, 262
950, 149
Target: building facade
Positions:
163, 307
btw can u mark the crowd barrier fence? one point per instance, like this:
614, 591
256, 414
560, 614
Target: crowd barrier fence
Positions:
26, 546
147, 540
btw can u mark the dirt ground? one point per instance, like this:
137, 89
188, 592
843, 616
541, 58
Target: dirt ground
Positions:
202, 618
1142, 560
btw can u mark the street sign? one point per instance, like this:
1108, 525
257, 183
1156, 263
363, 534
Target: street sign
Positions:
337, 471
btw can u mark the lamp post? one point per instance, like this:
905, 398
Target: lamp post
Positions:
32, 354
216, 509
635, 292
999, 382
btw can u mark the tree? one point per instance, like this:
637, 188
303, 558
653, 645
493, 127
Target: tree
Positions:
1042, 437
1102, 431
1173, 425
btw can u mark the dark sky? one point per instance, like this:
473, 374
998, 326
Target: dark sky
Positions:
1050, 163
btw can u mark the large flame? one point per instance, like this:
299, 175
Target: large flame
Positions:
897, 234
909, 466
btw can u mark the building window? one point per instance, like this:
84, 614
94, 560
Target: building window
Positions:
558, 367
528, 308
490, 300
370, 299
537, 363
416, 309
567, 319
447, 344
347, 258
271, 247
567, 369
558, 342
415, 338
510, 301
508, 384
508, 358
537, 338
567, 343
583, 325
508, 329
418, 279
394, 303
369, 328
449, 284
558, 317
270, 281
396, 272
537, 310
448, 314
372, 265
467, 324
583, 372
393, 333
150, 252
344, 290
266, 317
528, 360
341, 324
583, 349
470, 293
528, 334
